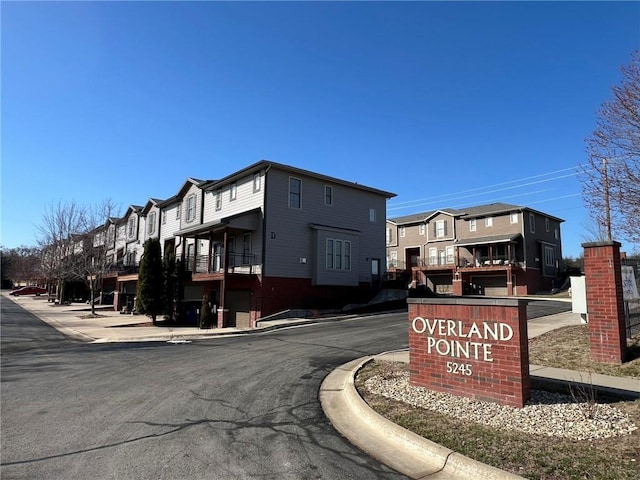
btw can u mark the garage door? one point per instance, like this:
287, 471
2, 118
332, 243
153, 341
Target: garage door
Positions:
239, 305
440, 283
491, 285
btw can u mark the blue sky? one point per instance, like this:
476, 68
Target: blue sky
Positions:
447, 104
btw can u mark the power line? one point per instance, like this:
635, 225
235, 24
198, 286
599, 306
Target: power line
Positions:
488, 189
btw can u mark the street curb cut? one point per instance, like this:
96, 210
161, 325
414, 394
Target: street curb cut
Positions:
400, 449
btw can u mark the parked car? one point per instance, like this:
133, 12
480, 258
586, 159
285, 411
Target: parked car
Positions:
30, 290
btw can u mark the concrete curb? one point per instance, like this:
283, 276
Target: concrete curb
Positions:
396, 447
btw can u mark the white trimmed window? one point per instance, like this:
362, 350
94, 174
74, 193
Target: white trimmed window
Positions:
295, 192
338, 254
131, 227
257, 182
549, 256
422, 229
472, 225
403, 232
449, 254
151, 225
328, 195
191, 208
179, 211
433, 256
513, 218
388, 235
393, 260
440, 228
164, 217
233, 191
488, 222
218, 199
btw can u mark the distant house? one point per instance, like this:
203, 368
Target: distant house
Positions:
264, 239
495, 249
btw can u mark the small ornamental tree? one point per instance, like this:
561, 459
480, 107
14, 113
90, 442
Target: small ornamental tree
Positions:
150, 293
205, 313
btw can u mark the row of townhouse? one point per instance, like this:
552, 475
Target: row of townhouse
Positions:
496, 249
261, 240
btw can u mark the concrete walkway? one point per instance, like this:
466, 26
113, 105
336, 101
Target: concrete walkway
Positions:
401, 449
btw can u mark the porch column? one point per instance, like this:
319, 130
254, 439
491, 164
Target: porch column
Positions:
222, 311
210, 255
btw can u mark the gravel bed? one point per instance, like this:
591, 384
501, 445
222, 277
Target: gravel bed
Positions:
546, 413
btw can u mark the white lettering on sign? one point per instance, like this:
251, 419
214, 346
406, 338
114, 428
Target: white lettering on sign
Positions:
471, 341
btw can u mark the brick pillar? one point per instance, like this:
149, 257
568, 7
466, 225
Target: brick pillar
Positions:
605, 306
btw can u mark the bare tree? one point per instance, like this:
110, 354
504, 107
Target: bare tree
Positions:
92, 260
60, 223
69, 238
21, 265
611, 178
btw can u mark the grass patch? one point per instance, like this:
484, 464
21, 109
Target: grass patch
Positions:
530, 456
568, 347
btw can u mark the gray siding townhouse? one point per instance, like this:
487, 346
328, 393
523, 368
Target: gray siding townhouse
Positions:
261, 240
496, 249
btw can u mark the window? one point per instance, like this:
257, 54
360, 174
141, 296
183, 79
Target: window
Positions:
295, 192
179, 211
130, 259
372, 215
218, 195
393, 260
402, 232
191, 208
257, 182
546, 224
556, 234
549, 256
532, 223
488, 222
131, 227
151, 226
472, 225
433, 256
338, 254
440, 228
513, 218
246, 249
449, 254
328, 195
422, 229
164, 217
388, 235
233, 191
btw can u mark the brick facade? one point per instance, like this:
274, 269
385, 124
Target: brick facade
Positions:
605, 305
471, 347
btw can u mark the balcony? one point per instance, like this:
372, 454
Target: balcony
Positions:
239, 263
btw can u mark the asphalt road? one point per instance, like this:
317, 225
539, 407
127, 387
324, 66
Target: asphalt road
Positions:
223, 408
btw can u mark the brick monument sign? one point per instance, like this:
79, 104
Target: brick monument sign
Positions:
472, 347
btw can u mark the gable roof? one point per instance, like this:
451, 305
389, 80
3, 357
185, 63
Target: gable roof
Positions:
475, 211
266, 165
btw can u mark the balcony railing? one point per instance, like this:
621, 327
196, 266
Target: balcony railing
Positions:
241, 263
449, 262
